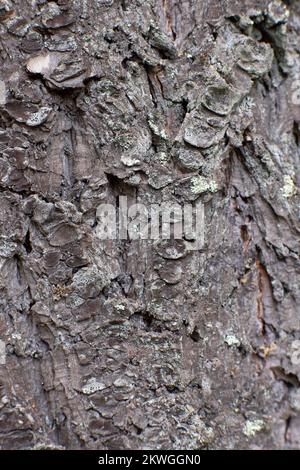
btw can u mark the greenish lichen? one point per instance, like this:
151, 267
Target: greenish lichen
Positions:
253, 427
120, 307
232, 340
294, 399
289, 189
155, 123
200, 184
93, 386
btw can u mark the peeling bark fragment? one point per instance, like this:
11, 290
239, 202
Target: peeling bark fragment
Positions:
60, 71
161, 41
203, 131
254, 58
171, 273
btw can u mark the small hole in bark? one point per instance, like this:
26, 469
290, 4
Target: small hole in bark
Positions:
124, 5
244, 233
172, 389
27, 243
195, 335
148, 319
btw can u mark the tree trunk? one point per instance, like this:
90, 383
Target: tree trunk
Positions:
149, 344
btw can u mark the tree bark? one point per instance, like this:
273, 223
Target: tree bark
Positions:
126, 344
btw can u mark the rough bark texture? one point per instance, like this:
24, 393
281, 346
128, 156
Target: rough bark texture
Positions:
127, 344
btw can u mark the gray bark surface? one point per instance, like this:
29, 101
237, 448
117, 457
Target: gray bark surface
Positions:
126, 344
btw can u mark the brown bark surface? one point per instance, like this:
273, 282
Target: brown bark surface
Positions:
126, 344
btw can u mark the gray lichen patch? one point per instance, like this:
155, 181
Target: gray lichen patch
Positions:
157, 126
161, 41
134, 146
130, 161
93, 385
289, 188
252, 427
220, 98
203, 131
38, 118
160, 178
169, 249
189, 159
294, 399
88, 282
2, 93
277, 13
171, 272
231, 340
